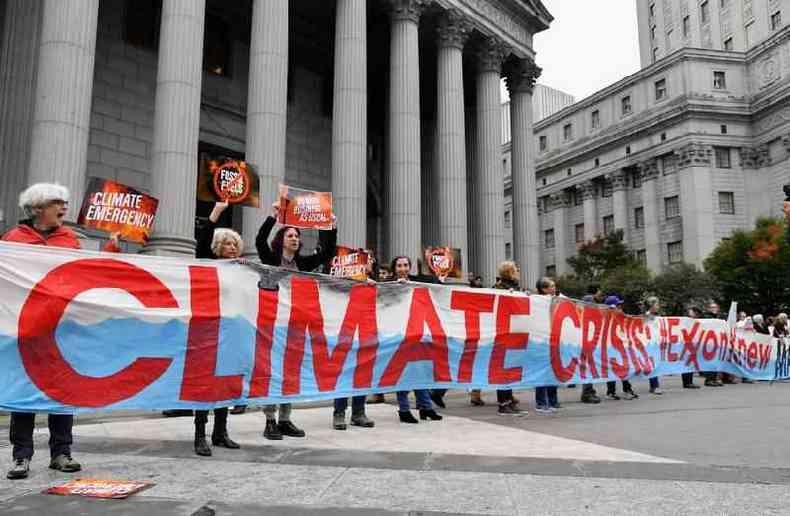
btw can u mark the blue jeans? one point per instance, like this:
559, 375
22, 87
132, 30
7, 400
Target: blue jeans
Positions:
546, 396
357, 405
654, 383
422, 396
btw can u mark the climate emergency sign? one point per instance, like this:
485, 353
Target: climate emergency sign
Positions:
82, 330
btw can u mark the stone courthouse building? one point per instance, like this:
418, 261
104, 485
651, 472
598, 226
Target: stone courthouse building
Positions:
393, 105
681, 153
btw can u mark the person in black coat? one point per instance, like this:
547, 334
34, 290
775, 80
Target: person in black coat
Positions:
215, 243
285, 252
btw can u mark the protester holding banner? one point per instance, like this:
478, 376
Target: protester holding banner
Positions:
401, 270
594, 295
653, 311
508, 277
712, 378
285, 252
616, 302
546, 396
45, 206
215, 243
475, 395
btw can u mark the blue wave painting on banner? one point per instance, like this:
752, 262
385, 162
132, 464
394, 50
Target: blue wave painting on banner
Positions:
81, 331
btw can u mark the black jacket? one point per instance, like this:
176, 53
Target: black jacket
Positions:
204, 237
328, 243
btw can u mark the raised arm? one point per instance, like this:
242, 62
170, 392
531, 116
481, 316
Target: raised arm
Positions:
262, 240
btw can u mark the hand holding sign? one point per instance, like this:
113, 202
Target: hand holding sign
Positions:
228, 180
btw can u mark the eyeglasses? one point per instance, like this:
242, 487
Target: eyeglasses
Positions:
58, 202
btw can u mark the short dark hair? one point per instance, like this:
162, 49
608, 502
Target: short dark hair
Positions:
395, 261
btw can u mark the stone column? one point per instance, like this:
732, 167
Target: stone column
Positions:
350, 123
588, 193
20, 40
453, 31
559, 204
696, 202
267, 104
649, 172
619, 182
521, 76
472, 197
490, 180
176, 126
404, 194
64, 85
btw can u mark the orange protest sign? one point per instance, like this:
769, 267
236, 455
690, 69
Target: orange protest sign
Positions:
442, 262
96, 488
305, 208
350, 263
117, 208
230, 180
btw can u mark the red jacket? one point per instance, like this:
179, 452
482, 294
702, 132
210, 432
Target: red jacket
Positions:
60, 237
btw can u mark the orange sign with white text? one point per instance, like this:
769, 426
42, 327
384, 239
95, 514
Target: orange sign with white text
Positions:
350, 263
305, 208
442, 262
118, 208
96, 488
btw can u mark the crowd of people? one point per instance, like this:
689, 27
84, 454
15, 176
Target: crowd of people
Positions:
45, 207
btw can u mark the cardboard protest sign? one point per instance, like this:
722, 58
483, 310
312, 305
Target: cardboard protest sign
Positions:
114, 207
230, 180
442, 262
350, 263
305, 208
95, 488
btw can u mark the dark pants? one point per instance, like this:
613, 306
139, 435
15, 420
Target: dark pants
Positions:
654, 383
220, 421
357, 405
588, 389
611, 387
504, 396
21, 434
546, 396
688, 379
420, 395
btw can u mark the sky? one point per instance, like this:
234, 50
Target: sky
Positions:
589, 45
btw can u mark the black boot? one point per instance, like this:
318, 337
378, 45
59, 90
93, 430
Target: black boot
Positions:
272, 431
429, 414
406, 417
289, 429
201, 446
219, 436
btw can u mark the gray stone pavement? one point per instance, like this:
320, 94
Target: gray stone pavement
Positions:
715, 450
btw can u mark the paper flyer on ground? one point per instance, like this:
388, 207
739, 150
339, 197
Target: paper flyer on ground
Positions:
118, 208
95, 488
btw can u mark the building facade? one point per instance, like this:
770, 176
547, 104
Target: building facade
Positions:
677, 155
667, 25
393, 105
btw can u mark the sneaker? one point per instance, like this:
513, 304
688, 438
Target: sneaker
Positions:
630, 395
713, 383
290, 430
656, 391
362, 420
540, 409
612, 396
65, 464
339, 421
20, 469
272, 431
509, 410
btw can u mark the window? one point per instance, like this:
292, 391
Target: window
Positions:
579, 233
719, 81
141, 23
672, 207
608, 224
577, 197
551, 271
597, 162
727, 203
724, 3
544, 181
675, 252
686, 26
507, 218
570, 172
749, 34
639, 217
636, 179
641, 256
663, 137
704, 12
722, 157
661, 89
723, 128
595, 119
653, 33
545, 203
625, 105
776, 20
508, 251
216, 47
548, 239
728, 44
567, 132
606, 188
668, 164
652, 10
543, 143
627, 150
655, 55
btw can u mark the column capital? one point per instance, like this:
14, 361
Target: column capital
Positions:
619, 180
453, 29
648, 169
694, 155
491, 53
759, 156
410, 10
588, 189
520, 75
559, 200
786, 142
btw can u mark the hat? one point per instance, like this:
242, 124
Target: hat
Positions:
613, 300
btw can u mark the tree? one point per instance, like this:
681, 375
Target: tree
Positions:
683, 285
601, 255
753, 268
632, 282
572, 286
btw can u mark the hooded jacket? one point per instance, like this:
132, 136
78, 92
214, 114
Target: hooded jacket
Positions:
25, 233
